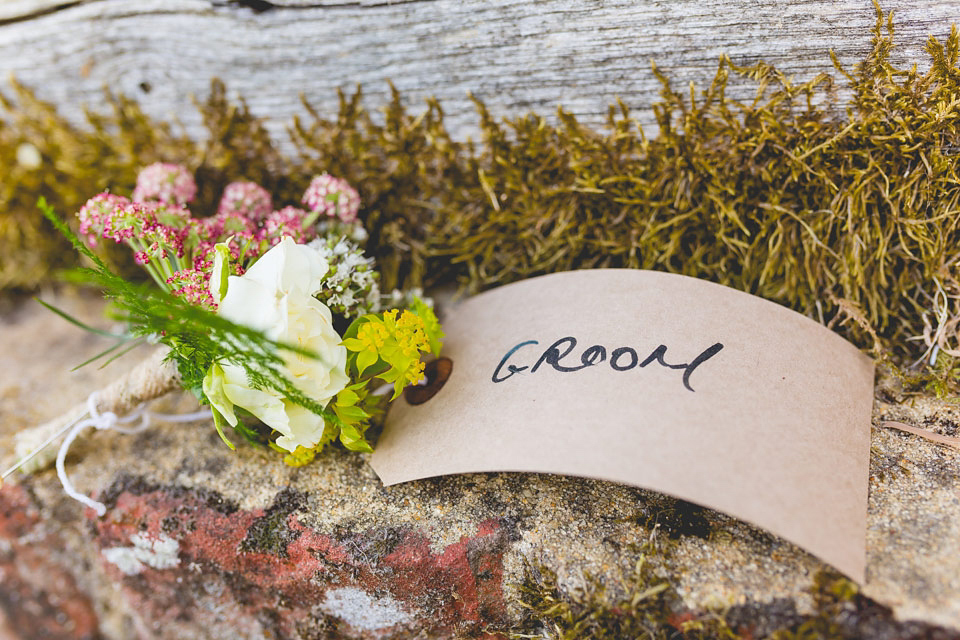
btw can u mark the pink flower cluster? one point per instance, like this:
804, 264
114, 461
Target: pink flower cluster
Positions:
194, 286
247, 199
164, 182
177, 249
332, 197
157, 229
226, 224
288, 222
96, 212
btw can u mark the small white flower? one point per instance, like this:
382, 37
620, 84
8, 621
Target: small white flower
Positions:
350, 288
359, 234
28, 156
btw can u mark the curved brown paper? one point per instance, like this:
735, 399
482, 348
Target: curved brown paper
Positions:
732, 402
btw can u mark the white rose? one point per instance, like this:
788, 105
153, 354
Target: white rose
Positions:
276, 296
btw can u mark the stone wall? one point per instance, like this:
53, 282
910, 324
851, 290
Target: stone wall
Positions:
202, 542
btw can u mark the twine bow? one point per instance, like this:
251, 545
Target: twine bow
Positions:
105, 421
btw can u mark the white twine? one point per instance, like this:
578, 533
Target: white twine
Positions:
109, 421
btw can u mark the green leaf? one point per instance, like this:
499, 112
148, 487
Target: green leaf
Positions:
352, 439
220, 274
365, 360
359, 446
309, 220
351, 415
97, 357
69, 318
347, 398
218, 423
216, 397
353, 344
133, 346
349, 434
62, 227
391, 375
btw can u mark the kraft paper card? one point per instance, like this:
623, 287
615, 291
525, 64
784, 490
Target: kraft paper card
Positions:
659, 381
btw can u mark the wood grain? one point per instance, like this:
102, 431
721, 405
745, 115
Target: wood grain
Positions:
515, 54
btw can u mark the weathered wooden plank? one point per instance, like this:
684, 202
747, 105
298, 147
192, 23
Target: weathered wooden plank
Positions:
18, 10
516, 55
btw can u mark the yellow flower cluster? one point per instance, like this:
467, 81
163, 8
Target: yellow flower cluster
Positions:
301, 456
411, 334
390, 345
411, 340
373, 336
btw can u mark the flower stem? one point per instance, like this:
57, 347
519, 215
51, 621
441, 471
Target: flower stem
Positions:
137, 246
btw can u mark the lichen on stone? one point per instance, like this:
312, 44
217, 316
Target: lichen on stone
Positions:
363, 611
159, 552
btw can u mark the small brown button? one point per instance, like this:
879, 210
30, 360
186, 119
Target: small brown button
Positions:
437, 372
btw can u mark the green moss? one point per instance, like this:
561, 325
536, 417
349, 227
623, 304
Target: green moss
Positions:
271, 533
74, 165
79, 163
849, 216
647, 606
413, 178
833, 596
842, 612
